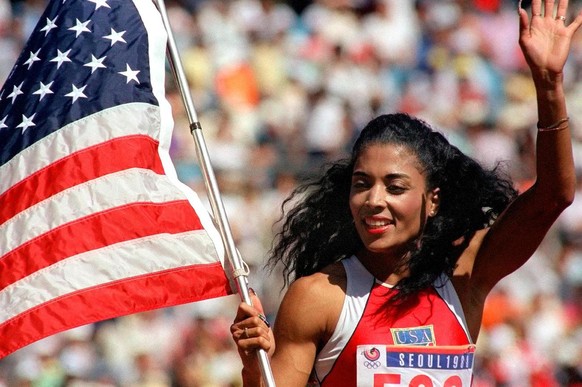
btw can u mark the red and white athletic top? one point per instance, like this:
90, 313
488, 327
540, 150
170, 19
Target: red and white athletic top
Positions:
423, 342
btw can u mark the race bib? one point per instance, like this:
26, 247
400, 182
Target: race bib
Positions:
414, 366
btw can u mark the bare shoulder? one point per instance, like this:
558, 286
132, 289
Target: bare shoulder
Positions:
306, 318
331, 279
314, 303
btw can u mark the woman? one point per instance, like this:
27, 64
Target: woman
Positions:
393, 252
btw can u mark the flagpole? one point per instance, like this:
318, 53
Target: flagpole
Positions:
240, 270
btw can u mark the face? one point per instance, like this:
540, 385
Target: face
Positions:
389, 200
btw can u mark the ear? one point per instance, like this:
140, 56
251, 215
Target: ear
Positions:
433, 201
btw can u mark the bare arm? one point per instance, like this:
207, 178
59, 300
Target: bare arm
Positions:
511, 241
307, 315
299, 328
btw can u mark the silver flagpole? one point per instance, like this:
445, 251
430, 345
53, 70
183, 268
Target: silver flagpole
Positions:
240, 270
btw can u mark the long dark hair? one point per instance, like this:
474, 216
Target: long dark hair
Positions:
319, 230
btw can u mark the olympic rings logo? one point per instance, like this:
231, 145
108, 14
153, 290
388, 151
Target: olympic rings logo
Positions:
371, 364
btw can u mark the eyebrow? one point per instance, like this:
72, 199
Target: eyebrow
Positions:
388, 176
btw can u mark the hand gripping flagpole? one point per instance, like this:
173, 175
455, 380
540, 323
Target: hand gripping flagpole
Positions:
240, 270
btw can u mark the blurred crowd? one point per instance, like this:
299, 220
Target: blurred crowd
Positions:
282, 88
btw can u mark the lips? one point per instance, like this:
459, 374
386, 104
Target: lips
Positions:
377, 225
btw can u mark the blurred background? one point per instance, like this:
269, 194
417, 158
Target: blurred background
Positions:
282, 87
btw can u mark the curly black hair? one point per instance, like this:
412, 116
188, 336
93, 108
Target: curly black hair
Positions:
319, 229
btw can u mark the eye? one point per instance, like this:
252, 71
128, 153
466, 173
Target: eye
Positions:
359, 184
395, 189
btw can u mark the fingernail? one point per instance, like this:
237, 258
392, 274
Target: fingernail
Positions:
262, 317
252, 291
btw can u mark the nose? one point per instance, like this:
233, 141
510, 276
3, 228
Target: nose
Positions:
376, 196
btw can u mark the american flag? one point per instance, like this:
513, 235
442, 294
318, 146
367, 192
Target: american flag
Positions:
94, 223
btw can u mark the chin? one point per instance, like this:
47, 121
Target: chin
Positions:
383, 248
377, 248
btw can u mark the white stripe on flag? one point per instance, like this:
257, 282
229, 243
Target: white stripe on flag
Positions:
115, 122
107, 192
116, 262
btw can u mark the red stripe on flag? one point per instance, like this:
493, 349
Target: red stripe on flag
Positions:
138, 294
136, 151
119, 224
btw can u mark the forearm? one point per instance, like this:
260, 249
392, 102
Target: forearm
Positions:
551, 99
555, 165
252, 378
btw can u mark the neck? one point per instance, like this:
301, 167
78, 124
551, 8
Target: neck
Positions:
385, 268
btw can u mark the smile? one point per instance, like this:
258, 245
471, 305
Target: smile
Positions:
377, 226
377, 223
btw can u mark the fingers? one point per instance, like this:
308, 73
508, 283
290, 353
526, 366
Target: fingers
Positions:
544, 11
244, 311
536, 8
256, 309
251, 334
548, 7
562, 10
251, 330
256, 301
523, 20
561, 15
249, 327
576, 23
